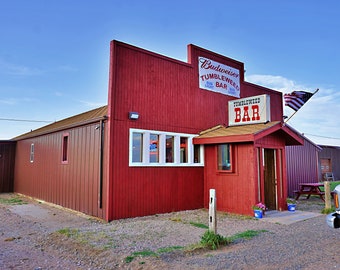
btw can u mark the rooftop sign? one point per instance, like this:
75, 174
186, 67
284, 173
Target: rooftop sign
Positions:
250, 110
219, 78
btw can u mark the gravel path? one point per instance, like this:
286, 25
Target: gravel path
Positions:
40, 236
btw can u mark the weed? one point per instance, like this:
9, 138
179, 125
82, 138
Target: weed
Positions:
328, 210
245, 235
212, 240
12, 201
199, 225
69, 232
168, 249
148, 253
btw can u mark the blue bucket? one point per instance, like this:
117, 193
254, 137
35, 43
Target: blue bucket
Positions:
291, 207
258, 213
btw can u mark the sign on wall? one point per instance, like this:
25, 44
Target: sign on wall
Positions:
219, 78
250, 110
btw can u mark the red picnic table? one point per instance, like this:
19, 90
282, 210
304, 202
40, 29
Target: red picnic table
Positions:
310, 189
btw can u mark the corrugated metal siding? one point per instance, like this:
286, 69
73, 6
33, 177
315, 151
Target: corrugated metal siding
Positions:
7, 160
73, 185
302, 165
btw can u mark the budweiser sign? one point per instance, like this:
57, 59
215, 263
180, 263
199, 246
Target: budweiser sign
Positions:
250, 110
219, 78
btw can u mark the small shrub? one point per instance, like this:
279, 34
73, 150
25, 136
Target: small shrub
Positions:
212, 240
328, 210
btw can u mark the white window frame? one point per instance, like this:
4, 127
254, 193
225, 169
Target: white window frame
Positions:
162, 149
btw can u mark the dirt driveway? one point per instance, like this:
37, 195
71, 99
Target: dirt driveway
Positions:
40, 236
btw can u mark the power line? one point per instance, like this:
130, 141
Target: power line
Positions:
25, 120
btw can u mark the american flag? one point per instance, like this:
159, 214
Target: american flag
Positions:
297, 99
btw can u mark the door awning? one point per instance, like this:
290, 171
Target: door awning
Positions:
249, 133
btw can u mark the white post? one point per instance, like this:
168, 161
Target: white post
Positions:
212, 212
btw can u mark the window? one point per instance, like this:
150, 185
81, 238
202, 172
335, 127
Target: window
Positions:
184, 150
224, 157
32, 153
197, 154
159, 148
65, 148
154, 146
137, 147
169, 144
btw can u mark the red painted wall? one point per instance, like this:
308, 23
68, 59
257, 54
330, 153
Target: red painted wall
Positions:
166, 94
235, 191
73, 185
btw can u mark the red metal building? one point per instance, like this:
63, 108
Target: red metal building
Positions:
172, 131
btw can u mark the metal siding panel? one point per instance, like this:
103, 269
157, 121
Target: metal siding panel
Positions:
302, 165
70, 185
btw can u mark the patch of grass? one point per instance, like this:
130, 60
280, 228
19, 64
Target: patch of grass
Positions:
143, 253
69, 232
199, 225
169, 249
245, 235
12, 201
213, 241
333, 184
149, 253
328, 210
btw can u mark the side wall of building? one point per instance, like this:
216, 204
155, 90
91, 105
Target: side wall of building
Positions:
73, 183
302, 165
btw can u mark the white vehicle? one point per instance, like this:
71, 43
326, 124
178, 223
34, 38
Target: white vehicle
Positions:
333, 219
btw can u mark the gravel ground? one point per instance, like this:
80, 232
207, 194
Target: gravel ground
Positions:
40, 236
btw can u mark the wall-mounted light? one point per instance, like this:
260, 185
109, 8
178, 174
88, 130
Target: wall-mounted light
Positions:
133, 115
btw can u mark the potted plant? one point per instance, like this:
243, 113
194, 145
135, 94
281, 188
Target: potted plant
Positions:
291, 204
259, 210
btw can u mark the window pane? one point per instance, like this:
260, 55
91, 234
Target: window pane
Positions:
197, 153
154, 143
184, 150
65, 147
137, 147
169, 149
223, 153
32, 153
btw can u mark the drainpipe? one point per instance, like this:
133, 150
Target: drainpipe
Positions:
101, 162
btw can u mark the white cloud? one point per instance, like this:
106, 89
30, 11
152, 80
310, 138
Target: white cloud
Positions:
92, 104
9, 101
318, 117
18, 70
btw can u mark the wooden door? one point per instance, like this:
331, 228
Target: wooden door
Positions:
270, 181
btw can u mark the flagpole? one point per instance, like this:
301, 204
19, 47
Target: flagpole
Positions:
317, 89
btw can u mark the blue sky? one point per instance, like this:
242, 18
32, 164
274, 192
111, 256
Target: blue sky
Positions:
54, 55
